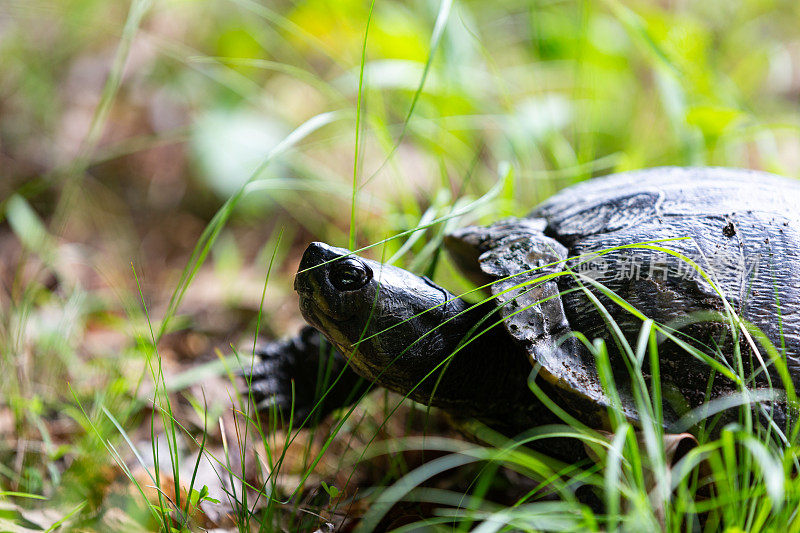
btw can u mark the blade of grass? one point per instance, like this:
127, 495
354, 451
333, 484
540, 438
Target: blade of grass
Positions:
359, 97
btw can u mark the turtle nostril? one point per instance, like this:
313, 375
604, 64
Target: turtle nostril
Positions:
316, 254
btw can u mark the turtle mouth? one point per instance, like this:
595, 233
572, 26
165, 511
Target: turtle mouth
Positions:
310, 310
313, 305
316, 317
308, 293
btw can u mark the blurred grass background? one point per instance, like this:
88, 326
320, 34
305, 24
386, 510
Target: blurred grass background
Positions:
126, 126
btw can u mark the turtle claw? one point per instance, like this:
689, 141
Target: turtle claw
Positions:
284, 380
269, 403
272, 381
274, 403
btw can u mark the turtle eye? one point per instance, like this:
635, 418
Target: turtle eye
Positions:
350, 274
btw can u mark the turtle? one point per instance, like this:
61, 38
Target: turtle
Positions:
705, 259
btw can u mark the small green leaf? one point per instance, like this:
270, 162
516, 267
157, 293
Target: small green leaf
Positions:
713, 120
331, 490
29, 228
197, 497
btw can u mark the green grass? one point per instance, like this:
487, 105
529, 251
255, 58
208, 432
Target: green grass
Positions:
379, 126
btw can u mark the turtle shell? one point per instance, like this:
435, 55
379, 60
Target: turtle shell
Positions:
729, 246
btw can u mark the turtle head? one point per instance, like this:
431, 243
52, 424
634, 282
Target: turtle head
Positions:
386, 320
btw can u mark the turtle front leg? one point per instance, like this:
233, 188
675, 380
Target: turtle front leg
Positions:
296, 374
